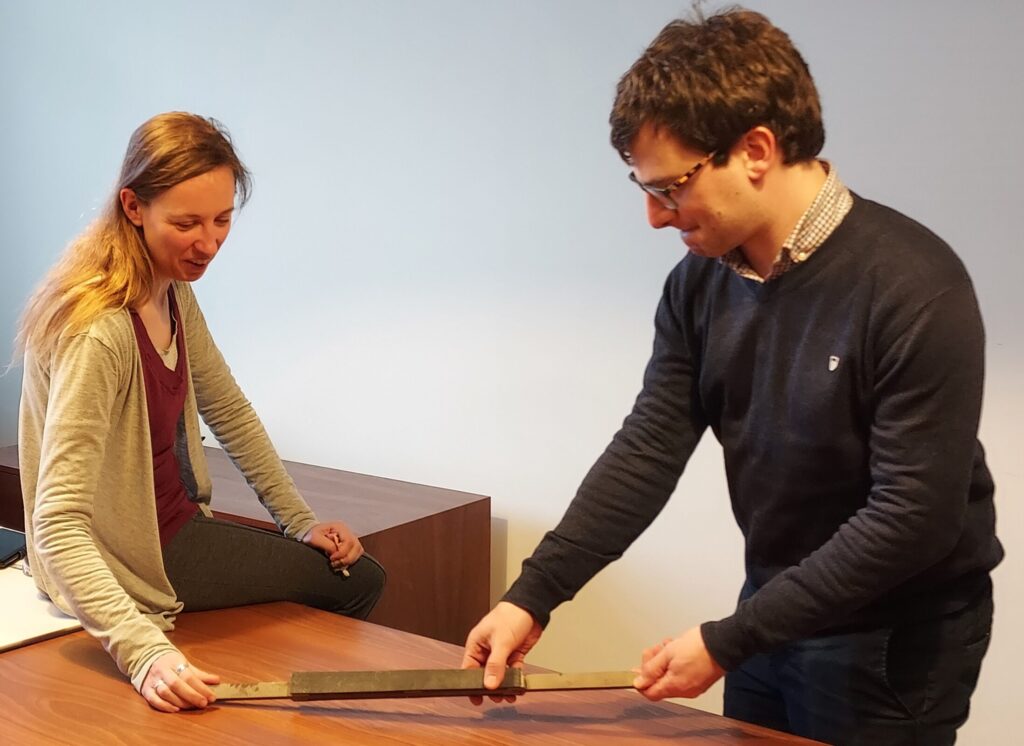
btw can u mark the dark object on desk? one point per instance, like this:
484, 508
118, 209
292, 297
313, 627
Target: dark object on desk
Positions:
12, 546
318, 685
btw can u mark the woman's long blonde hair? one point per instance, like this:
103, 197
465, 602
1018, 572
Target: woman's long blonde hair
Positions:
108, 266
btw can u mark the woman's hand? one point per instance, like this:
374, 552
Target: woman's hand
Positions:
337, 541
172, 685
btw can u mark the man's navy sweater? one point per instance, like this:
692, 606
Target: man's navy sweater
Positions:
846, 396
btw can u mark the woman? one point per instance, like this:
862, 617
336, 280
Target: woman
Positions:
119, 365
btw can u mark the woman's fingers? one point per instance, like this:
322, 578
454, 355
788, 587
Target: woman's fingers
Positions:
171, 684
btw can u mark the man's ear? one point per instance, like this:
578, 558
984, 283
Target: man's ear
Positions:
131, 206
759, 150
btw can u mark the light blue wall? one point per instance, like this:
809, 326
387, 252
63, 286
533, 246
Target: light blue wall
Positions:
444, 276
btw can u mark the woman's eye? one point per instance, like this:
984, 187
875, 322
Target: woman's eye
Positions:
184, 226
223, 221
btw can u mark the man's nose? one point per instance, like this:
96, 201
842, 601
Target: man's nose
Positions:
658, 215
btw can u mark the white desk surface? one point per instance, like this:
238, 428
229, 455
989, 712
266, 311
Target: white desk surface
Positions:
28, 616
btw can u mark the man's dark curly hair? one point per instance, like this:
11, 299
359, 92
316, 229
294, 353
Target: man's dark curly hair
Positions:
708, 81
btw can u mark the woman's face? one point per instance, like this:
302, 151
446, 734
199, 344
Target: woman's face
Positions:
185, 226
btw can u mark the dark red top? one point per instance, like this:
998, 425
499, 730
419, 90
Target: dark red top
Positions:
165, 400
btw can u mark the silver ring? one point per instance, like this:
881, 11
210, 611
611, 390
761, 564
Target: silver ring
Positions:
158, 683
180, 668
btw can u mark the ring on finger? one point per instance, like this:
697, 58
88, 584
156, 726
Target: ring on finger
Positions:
180, 668
157, 684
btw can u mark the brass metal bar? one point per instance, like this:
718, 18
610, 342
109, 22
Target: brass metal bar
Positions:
258, 690
386, 684
558, 682
314, 685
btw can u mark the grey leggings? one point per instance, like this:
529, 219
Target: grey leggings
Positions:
215, 564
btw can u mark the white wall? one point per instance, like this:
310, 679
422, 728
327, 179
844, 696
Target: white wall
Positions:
444, 275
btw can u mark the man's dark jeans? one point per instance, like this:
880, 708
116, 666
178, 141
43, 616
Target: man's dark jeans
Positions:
909, 684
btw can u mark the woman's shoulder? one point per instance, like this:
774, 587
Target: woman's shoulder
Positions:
108, 338
112, 330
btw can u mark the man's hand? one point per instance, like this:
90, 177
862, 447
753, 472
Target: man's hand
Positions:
172, 685
682, 667
337, 541
501, 638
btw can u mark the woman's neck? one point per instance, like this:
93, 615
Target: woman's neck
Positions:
155, 313
158, 297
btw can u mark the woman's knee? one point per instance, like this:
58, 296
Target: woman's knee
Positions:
371, 579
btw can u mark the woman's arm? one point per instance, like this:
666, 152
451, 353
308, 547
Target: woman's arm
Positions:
77, 406
236, 426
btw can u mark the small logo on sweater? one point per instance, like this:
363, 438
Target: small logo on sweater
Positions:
833, 362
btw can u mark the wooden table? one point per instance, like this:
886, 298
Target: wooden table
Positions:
67, 690
434, 543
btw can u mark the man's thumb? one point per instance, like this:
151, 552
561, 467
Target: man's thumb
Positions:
494, 671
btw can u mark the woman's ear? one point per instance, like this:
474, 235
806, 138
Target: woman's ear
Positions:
131, 206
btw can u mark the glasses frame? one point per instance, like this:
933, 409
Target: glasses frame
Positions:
664, 194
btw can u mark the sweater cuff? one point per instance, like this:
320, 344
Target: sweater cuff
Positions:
536, 594
140, 673
727, 642
298, 529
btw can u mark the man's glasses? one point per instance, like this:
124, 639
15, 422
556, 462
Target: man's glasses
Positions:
664, 194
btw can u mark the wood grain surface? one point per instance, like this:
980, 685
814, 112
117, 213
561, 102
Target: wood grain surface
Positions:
67, 691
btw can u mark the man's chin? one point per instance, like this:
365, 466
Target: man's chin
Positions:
691, 243
697, 248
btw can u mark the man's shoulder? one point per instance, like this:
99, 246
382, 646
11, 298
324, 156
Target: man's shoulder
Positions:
897, 263
889, 241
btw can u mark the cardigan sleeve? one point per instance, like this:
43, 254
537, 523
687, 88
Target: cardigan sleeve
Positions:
233, 421
83, 391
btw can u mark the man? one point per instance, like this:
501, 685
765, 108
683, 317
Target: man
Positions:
835, 349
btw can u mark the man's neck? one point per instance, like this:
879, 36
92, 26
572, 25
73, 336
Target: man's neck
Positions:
792, 189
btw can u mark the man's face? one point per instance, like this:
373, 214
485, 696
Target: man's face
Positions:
716, 208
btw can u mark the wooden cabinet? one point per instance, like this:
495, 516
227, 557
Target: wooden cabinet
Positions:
434, 543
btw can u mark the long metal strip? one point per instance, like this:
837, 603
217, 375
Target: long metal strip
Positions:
314, 685
560, 682
388, 684
258, 690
